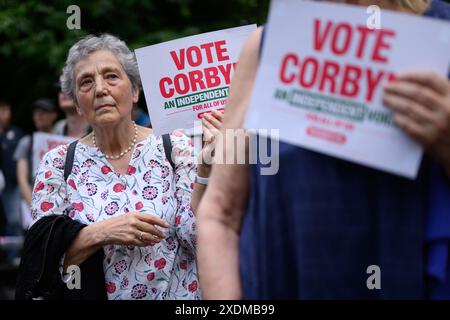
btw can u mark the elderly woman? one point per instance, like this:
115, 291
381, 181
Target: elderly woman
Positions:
122, 186
314, 229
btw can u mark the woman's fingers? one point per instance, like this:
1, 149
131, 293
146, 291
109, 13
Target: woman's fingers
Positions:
214, 119
424, 133
208, 135
207, 153
421, 105
418, 93
150, 229
409, 126
218, 115
408, 108
428, 79
147, 238
152, 219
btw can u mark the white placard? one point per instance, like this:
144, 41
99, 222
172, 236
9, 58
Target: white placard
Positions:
321, 78
44, 142
184, 78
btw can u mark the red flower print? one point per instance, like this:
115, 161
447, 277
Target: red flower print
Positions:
39, 186
72, 184
193, 286
131, 170
78, 206
192, 186
106, 170
160, 263
139, 205
111, 287
119, 187
177, 220
48, 174
176, 151
45, 206
150, 276
183, 264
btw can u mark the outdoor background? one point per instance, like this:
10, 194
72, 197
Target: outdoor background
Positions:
34, 38
34, 41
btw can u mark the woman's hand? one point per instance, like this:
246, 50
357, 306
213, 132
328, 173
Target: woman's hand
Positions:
211, 125
421, 105
131, 229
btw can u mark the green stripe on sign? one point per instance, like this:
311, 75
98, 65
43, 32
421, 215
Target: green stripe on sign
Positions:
330, 105
200, 97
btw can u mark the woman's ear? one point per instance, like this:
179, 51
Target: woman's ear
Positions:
136, 95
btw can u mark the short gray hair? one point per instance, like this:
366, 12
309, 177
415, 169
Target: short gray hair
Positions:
89, 44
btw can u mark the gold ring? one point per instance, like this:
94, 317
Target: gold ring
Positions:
141, 236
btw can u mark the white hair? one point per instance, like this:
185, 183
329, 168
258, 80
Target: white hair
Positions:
89, 44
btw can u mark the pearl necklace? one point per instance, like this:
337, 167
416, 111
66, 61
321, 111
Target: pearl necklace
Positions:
132, 143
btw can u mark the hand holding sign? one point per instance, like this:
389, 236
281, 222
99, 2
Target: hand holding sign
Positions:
322, 88
187, 77
421, 105
211, 125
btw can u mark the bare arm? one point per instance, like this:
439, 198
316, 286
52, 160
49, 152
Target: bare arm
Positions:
199, 189
22, 179
221, 210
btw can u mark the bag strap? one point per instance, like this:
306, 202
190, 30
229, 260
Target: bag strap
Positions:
167, 143
69, 159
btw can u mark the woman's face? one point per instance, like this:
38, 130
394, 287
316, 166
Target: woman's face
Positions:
104, 92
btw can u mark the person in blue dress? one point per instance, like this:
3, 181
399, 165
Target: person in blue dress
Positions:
317, 228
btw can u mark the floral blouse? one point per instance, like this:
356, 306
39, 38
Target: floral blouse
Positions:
95, 192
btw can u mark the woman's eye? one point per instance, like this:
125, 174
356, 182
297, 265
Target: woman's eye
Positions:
112, 76
86, 82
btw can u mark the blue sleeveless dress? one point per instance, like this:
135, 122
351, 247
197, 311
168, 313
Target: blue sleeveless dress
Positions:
312, 230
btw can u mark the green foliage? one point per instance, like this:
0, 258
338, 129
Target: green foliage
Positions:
34, 37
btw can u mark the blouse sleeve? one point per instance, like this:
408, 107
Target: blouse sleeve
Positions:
185, 170
49, 191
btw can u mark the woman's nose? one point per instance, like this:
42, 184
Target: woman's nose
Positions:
100, 86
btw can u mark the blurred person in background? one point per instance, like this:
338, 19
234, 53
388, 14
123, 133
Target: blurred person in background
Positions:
312, 230
140, 116
9, 138
74, 124
44, 115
